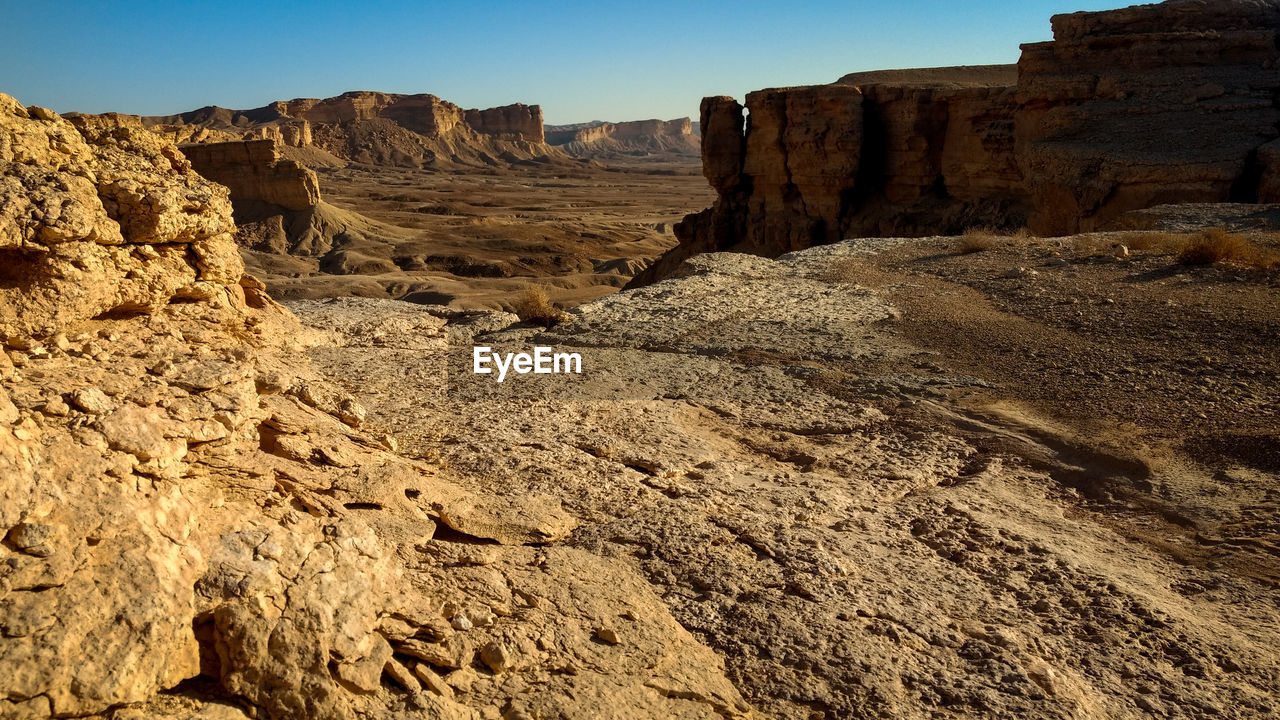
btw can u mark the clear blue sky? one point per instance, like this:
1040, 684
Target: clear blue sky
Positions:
579, 60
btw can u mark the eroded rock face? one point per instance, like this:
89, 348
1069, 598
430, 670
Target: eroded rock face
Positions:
518, 121
1123, 110
371, 127
255, 172
632, 138
1147, 105
181, 496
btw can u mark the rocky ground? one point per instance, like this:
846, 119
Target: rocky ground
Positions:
887, 479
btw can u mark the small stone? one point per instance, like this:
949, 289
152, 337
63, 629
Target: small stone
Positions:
401, 676
461, 622
607, 635
434, 682
92, 400
496, 656
56, 408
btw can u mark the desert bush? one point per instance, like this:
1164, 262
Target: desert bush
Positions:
1217, 245
533, 306
979, 239
1156, 242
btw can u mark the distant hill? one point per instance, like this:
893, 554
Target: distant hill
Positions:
640, 138
374, 128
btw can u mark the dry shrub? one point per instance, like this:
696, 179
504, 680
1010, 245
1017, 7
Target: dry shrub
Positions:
979, 239
533, 306
1217, 245
845, 270
1156, 242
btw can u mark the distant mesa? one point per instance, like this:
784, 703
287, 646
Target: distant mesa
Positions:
1123, 110
638, 138
374, 128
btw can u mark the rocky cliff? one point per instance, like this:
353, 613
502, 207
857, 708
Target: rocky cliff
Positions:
1147, 105
256, 174
1124, 109
195, 523
520, 122
373, 127
634, 138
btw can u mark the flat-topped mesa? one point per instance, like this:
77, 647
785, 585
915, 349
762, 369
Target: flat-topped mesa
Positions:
256, 174
634, 137
518, 122
372, 127
1146, 105
1123, 110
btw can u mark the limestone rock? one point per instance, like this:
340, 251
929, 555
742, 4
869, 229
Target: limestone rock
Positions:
1146, 105
182, 496
255, 172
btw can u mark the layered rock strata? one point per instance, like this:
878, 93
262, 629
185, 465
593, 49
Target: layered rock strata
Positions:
1124, 109
195, 522
256, 173
372, 127
639, 137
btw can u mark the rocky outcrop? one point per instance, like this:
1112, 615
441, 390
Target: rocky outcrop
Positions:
1124, 109
1147, 105
518, 121
634, 138
256, 174
187, 507
813, 165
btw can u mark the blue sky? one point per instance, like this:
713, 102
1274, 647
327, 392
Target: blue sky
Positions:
581, 61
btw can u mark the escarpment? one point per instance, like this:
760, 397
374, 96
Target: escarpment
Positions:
635, 138
386, 129
1123, 110
195, 521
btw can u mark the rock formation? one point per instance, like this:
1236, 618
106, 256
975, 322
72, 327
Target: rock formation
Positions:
187, 507
1147, 105
255, 172
636, 138
520, 122
373, 127
1124, 109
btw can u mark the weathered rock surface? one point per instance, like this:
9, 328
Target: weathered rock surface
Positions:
255, 173
1124, 109
860, 530
518, 121
193, 519
638, 138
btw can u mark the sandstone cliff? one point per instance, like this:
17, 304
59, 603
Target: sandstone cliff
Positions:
520, 122
1147, 105
373, 127
255, 172
636, 138
187, 507
1124, 109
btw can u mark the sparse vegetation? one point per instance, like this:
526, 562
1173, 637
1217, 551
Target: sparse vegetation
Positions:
1217, 245
979, 239
534, 306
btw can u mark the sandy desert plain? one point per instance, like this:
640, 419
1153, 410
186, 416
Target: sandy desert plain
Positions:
938, 393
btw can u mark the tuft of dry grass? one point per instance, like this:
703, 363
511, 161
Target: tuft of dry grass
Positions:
1217, 245
533, 306
979, 239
